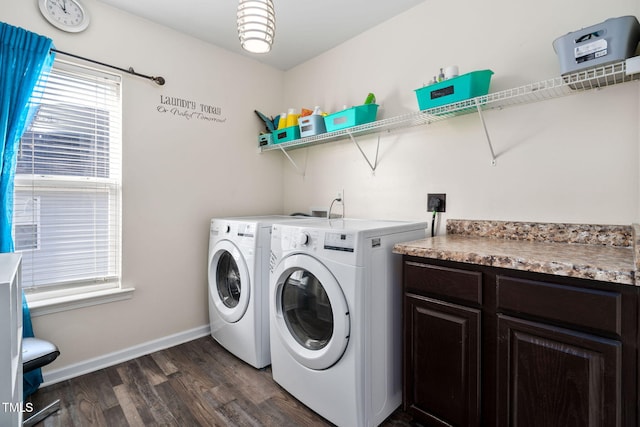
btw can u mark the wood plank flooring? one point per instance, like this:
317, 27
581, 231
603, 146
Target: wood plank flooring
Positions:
198, 383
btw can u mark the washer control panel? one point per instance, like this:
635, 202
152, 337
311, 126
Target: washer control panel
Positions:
291, 238
339, 241
297, 239
245, 232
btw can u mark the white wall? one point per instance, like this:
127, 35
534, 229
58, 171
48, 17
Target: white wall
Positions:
177, 174
573, 159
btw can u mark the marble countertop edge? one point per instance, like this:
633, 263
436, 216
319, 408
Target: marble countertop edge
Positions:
602, 263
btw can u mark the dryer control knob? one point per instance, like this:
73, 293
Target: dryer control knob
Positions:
304, 238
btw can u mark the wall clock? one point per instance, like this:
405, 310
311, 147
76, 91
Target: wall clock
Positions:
67, 15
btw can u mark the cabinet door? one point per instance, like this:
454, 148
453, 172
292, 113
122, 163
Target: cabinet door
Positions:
442, 362
550, 376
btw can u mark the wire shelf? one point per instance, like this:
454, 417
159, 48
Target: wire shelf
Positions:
570, 84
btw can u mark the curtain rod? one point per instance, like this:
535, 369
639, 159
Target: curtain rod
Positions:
158, 80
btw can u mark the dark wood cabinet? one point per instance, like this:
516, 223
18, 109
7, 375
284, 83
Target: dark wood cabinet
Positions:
488, 346
550, 376
443, 390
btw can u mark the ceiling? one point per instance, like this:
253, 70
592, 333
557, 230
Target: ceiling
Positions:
304, 28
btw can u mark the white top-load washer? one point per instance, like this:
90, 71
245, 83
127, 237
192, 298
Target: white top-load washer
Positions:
335, 309
238, 275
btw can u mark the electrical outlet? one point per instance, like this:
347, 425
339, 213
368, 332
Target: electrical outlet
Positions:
436, 202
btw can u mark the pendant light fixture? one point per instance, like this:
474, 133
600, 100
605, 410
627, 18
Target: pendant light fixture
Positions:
256, 25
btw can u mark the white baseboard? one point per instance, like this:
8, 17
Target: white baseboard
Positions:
91, 365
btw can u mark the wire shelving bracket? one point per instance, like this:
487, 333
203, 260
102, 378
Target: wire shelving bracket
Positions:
486, 133
375, 163
295, 166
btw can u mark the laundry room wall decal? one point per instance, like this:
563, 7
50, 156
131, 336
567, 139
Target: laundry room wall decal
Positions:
189, 109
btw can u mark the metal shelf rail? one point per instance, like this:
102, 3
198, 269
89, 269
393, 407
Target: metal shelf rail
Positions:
570, 84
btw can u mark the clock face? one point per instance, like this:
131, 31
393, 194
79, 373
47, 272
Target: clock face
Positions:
67, 15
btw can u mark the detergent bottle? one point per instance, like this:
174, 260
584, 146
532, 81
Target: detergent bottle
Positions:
282, 123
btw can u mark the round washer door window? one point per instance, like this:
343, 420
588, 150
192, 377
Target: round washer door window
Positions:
307, 310
229, 285
312, 315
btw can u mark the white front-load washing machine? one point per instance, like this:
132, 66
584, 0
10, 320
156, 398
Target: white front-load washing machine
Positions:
335, 309
238, 276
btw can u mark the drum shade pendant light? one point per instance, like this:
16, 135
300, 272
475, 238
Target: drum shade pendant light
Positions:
256, 25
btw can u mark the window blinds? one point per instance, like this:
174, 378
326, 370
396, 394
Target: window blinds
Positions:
67, 200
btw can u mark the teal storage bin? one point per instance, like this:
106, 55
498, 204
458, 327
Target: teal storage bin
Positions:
350, 117
470, 85
265, 139
286, 134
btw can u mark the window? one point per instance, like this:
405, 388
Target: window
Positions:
67, 200
26, 220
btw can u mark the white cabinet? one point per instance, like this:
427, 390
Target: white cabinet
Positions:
10, 340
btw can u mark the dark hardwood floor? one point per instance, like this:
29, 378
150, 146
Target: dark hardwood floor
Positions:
198, 383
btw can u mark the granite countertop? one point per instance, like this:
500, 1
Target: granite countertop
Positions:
606, 253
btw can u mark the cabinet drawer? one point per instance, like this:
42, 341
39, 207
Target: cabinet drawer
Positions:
589, 308
443, 281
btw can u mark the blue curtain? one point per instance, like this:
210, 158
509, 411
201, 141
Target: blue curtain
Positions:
25, 59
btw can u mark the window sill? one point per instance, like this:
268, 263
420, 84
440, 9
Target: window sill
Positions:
43, 305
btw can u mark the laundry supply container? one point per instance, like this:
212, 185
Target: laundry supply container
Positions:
613, 40
456, 89
350, 117
287, 134
311, 125
265, 139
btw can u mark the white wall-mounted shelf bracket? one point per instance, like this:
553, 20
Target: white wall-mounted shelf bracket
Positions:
486, 132
301, 172
373, 165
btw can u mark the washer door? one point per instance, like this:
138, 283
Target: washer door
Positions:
311, 312
229, 284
